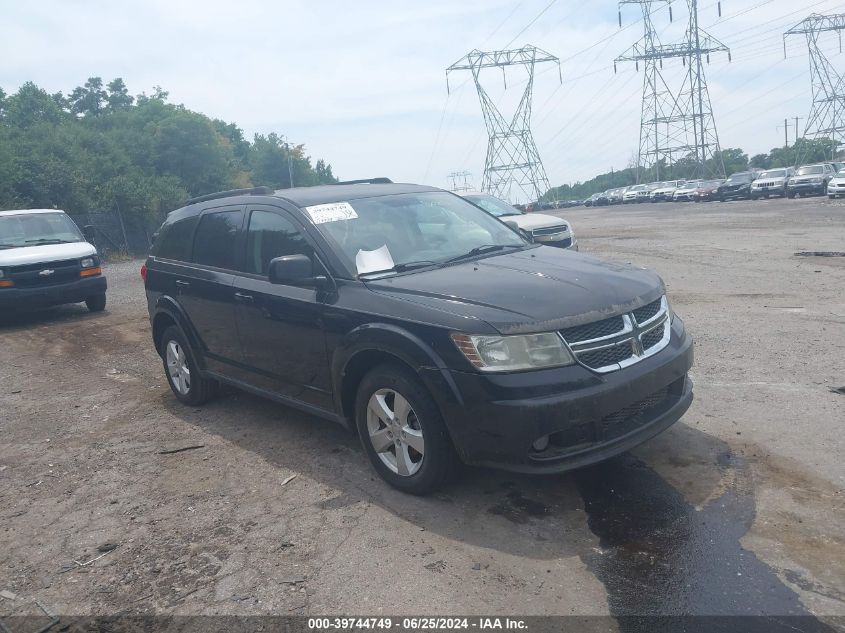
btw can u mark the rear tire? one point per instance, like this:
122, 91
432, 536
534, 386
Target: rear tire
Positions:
97, 303
791, 195
396, 416
182, 371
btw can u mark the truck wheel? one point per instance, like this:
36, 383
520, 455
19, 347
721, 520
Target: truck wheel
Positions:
791, 195
180, 367
97, 303
402, 431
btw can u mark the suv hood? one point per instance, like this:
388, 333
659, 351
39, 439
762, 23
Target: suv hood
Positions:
537, 290
45, 253
536, 221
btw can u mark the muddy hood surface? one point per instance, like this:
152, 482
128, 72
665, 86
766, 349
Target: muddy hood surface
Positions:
538, 289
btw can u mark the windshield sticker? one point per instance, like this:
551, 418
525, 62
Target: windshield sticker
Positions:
334, 212
372, 261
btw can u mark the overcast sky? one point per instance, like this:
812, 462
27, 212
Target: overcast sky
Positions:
363, 84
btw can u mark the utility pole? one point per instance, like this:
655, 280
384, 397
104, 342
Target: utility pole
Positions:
677, 122
827, 115
513, 168
290, 168
785, 133
798, 118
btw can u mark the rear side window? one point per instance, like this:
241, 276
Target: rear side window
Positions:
214, 241
271, 235
174, 240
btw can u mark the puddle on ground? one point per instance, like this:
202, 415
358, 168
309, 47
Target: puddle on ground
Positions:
659, 555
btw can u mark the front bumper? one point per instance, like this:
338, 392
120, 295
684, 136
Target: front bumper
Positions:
589, 417
52, 295
806, 188
834, 189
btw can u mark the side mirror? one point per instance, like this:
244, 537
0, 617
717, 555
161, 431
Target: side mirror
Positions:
88, 233
526, 234
294, 270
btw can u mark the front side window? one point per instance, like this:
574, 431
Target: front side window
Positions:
214, 241
271, 235
414, 229
34, 229
739, 178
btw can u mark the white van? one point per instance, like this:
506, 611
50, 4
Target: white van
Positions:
45, 260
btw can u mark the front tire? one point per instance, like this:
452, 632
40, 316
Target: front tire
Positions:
182, 371
402, 431
97, 303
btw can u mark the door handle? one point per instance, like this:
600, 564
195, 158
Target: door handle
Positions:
242, 298
182, 285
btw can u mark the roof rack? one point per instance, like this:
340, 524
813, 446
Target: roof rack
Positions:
367, 181
253, 191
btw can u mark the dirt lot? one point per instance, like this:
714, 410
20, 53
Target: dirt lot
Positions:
739, 508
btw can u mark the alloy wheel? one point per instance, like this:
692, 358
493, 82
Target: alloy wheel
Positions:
177, 368
395, 432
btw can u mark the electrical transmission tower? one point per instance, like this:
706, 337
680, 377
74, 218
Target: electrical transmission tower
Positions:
676, 126
460, 181
513, 168
827, 117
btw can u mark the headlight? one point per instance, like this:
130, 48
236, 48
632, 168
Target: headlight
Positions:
514, 353
88, 262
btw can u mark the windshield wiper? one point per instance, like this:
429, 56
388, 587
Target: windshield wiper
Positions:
48, 240
481, 250
401, 268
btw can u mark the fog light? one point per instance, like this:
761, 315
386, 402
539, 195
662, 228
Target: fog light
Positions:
541, 444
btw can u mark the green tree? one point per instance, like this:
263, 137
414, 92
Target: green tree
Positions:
90, 99
118, 95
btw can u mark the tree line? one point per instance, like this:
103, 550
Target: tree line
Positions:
735, 160
99, 148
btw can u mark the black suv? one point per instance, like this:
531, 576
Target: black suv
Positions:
432, 329
737, 187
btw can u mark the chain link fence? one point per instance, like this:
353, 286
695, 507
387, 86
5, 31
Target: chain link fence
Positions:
115, 235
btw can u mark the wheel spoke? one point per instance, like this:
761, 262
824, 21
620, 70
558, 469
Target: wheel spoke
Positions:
403, 460
401, 409
381, 441
414, 439
378, 406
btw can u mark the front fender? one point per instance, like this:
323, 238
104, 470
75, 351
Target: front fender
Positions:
405, 346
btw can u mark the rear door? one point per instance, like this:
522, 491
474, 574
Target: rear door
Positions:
204, 288
281, 327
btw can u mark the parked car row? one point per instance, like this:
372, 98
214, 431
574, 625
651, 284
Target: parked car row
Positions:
788, 182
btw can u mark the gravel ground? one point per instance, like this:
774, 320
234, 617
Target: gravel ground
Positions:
738, 508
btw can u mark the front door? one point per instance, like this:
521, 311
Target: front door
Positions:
281, 327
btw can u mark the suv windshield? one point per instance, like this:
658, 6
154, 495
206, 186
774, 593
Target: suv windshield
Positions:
33, 229
398, 232
492, 205
740, 178
807, 171
774, 173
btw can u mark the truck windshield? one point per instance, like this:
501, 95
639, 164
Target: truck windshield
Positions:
33, 229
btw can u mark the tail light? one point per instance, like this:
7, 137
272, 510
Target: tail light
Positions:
144, 272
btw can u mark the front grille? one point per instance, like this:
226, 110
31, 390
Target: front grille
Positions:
550, 230
595, 330
647, 312
607, 356
44, 274
652, 338
617, 342
632, 417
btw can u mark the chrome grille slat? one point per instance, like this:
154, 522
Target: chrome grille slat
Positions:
618, 342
